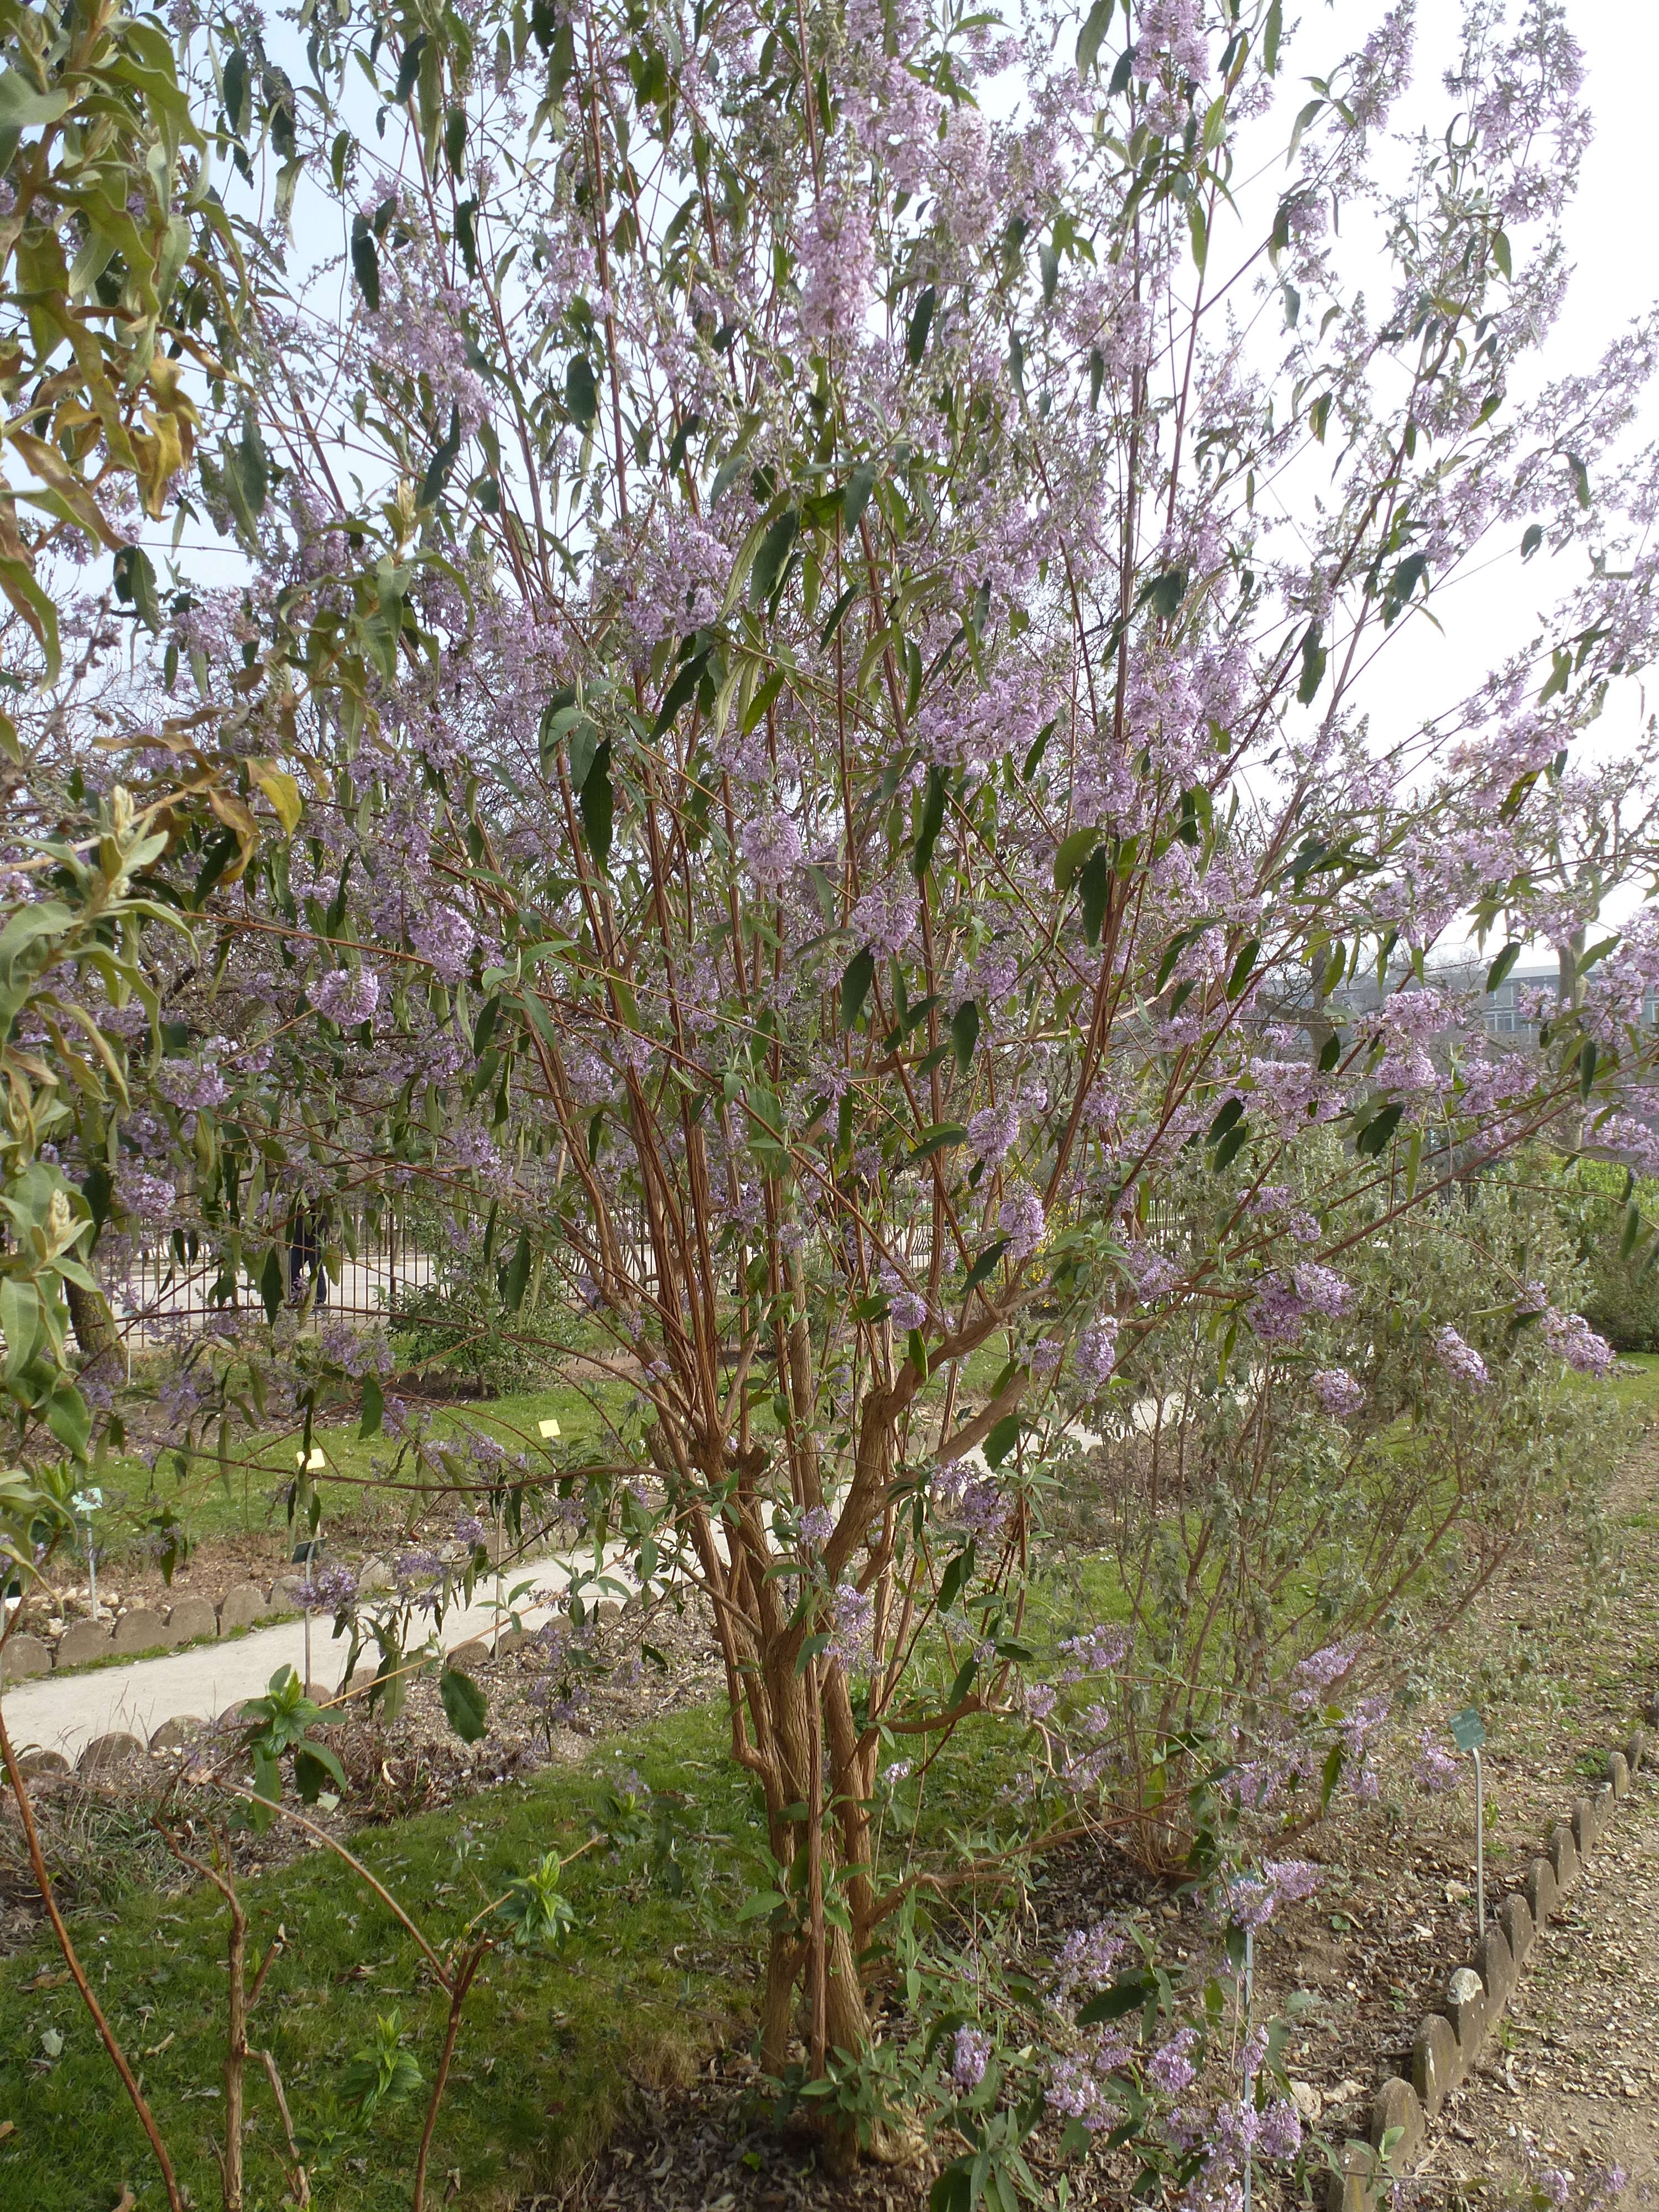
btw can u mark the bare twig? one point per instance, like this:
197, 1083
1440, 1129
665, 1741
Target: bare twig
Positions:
296, 2172
458, 1988
118, 2057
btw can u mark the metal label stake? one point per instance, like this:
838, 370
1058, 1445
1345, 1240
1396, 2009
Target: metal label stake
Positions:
305, 1555
86, 1503
1249, 2077
1469, 1733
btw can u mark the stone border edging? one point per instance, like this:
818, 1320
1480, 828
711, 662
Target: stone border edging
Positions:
142, 1632
1447, 2045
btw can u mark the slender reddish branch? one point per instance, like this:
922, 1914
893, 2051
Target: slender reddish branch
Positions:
118, 2057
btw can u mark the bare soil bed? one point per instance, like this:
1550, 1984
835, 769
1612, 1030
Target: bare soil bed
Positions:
1561, 1655
97, 1834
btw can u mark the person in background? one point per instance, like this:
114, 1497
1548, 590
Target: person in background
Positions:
305, 1258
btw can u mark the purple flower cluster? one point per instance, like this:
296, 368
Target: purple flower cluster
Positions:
146, 1197
992, 1132
1570, 1337
444, 940
1275, 2131
1253, 1899
1095, 1652
1284, 1302
1077, 2086
907, 1307
419, 1575
967, 1500
1096, 1356
1170, 2066
970, 2052
342, 997
191, 1088
838, 258
884, 919
1076, 2093
1436, 1769
1021, 1219
1338, 1393
816, 1525
1460, 1359
1316, 1674
771, 847
358, 1351
1153, 1273
1088, 1960
851, 1613
328, 1590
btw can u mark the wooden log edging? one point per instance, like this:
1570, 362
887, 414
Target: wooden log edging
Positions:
1447, 2047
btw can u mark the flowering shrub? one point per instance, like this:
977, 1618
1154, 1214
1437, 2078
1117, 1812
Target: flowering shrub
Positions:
794, 795
1319, 1507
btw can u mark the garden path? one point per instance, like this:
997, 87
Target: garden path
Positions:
1570, 2083
65, 1712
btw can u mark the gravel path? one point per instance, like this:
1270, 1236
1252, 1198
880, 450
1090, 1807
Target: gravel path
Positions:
1571, 2082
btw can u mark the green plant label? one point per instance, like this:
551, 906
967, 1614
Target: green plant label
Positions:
1469, 1730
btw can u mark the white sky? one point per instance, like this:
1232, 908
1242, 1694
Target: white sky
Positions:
1613, 245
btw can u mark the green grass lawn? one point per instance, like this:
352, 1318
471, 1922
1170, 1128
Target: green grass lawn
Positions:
1634, 1384
646, 1984
246, 1492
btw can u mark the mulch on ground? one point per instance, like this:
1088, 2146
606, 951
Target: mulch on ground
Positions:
1561, 1655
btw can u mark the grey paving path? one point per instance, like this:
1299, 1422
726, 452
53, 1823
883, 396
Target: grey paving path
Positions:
64, 1712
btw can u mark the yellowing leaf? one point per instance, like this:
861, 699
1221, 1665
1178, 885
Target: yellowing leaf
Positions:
232, 811
280, 789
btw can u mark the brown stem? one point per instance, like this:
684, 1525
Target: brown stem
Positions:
118, 2057
459, 1986
235, 2053
94, 1330
296, 2172
242, 2001
818, 1975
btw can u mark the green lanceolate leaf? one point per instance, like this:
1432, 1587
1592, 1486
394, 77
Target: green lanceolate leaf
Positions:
933, 821
1094, 888
985, 1265
1313, 666
999, 1444
1501, 967
515, 1274
366, 262
859, 485
769, 560
1095, 24
466, 1707
1377, 1130
597, 803
443, 459
581, 396
1073, 852
856, 979
964, 1033
915, 342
